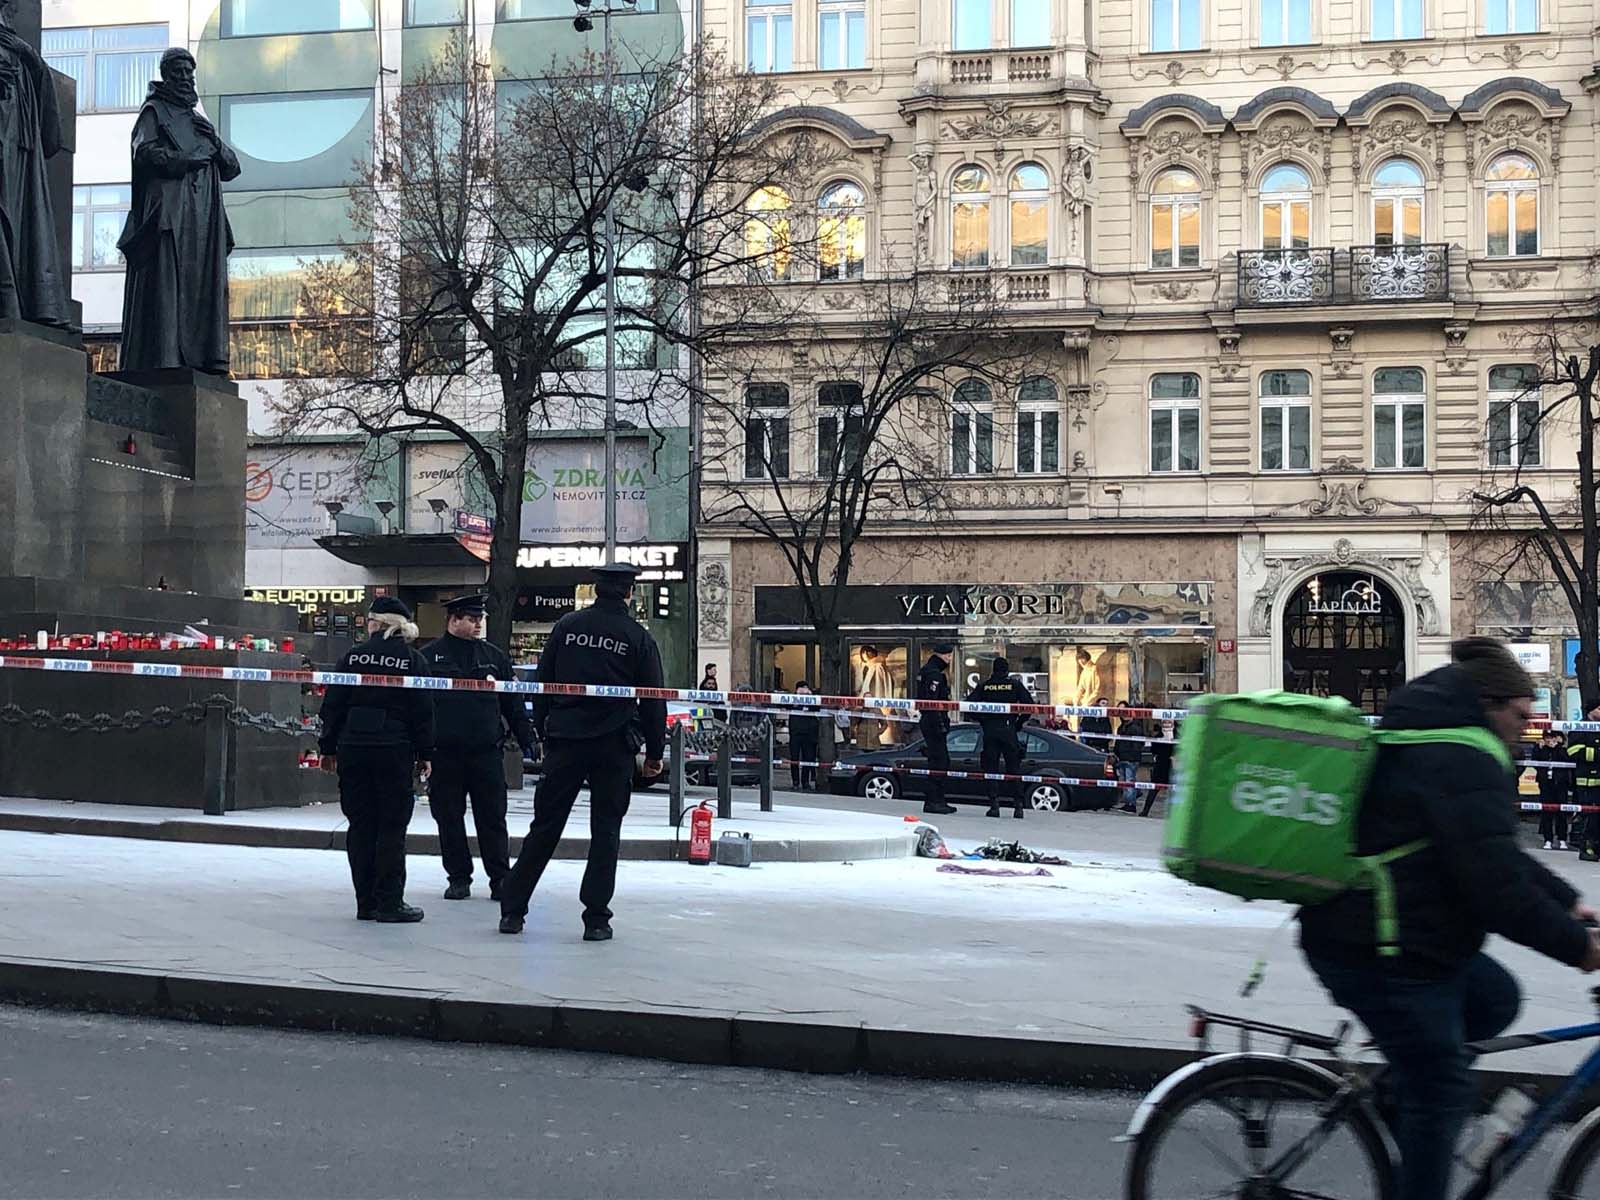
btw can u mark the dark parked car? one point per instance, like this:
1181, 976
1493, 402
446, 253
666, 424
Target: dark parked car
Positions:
1055, 756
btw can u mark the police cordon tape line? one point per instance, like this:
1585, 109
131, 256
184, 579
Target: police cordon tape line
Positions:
927, 772
876, 707
1534, 806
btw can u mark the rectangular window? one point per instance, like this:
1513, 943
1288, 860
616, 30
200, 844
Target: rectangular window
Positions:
1511, 16
298, 139
1286, 421
971, 441
841, 35
112, 65
1513, 218
840, 430
435, 12
1174, 423
1515, 403
973, 25
1285, 22
1174, 25
769, 35
1399, 418
969, 239
256, 18
269, 335
766, 431
1038, 441
98, 215
1396, 19
1030, 23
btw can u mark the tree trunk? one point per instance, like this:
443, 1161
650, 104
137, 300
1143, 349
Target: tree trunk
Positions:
833, 680
507, 536
1588, 584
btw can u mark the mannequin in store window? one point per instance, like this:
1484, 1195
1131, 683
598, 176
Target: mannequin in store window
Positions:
874, 679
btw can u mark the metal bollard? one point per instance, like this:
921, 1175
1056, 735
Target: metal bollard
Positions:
768, 748
676, 767
214, 785
725, 776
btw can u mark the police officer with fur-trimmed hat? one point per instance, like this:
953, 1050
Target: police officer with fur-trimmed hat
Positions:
470, 731
590, 740
373, 737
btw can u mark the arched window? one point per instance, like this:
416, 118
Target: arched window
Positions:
842, 231
1286, 208
1038, 428
1175, 220
1286, 421
969, 218
972, 430
1397, 203
1511, 206
1030, 216
768, 234
1399, 417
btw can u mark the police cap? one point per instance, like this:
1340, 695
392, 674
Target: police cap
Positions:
618, 573
389, 605
475, 604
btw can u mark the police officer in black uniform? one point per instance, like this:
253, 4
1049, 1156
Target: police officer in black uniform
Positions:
590, 740
1000, 742
373, 737
468, 761
932, 684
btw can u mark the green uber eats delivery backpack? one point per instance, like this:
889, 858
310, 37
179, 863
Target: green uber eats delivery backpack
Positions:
1267, 789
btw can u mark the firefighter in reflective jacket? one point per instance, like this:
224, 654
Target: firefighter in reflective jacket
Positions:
469, 762
590, 740
1000, 744
372, 738
1584, 751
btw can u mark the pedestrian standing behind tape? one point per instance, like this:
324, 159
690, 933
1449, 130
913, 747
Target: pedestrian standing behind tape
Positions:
590, 740
934, 684
373, 736
1161, 768
471, 729
1000, 744
804, 744
1555, 787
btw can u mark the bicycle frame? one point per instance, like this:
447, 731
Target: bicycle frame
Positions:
1508, 1157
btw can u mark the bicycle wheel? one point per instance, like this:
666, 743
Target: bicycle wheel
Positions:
1214, 1134
1577, 1175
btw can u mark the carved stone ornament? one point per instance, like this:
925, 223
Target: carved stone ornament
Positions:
1173, 71
1173, 290
1342, 339
1398, 135
1169, 145
714, 593
1513, 280
1455, 335
1345, 495
998, 122
1285, 66
925, 197
1228, 342
1404, 573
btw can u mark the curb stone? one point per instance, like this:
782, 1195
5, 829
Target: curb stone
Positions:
703, 1038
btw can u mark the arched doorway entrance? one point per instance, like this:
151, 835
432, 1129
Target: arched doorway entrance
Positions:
1344, 634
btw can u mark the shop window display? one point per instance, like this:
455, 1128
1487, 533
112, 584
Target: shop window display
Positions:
879, 669
784, 665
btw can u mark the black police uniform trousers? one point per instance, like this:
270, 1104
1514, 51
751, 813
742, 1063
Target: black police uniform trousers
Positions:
606, 764
481, 775
1001, 746
376, 797
936, 748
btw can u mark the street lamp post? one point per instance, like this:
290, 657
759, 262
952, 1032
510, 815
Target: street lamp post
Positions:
583, 24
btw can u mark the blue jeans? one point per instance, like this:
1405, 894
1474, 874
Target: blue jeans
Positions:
1128, 772
1422, 1026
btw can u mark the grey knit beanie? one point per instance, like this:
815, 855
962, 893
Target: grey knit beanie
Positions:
1493, 669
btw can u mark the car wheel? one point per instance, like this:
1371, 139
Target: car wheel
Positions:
879, 787
1046, 797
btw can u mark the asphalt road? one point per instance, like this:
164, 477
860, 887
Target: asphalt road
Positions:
108, 1107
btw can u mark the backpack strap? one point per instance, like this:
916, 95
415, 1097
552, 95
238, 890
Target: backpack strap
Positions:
1377, 865
1475, 736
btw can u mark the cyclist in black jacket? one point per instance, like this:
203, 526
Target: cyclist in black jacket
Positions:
373, 736
1442, 992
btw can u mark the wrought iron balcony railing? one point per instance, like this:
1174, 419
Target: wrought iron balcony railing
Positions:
1359, 275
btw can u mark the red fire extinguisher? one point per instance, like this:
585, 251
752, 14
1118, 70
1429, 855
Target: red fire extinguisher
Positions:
700, 835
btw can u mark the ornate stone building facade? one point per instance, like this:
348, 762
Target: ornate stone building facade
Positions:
1292, 259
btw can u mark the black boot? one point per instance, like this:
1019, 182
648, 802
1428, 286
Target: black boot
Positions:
994, 811
458, 891
597, 933
941, 809
494, 889
405, 914
366, 914
510, 923
1017, 812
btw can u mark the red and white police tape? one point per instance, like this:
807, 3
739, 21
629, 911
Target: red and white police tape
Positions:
886, 707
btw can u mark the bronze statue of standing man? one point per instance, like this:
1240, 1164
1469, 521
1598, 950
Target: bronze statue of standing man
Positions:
177, 240
33, 286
